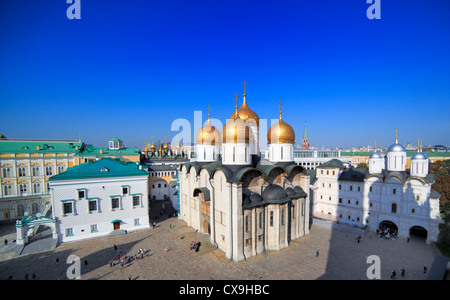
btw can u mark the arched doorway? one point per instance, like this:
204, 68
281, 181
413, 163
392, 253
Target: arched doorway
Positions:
25, 228
388, 228
419, 233
203, 196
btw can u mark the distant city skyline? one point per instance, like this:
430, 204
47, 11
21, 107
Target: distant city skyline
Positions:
129, 69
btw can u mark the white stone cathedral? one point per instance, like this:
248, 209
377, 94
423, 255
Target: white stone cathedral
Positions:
383, 196
245, 203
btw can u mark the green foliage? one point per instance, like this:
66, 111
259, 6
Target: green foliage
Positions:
441, 171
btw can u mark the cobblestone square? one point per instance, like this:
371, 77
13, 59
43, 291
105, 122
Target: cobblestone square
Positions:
323, 254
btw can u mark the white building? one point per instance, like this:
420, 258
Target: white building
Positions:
97, 198
384, 195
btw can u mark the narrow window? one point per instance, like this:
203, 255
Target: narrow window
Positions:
115, 203
260, 220
271, 219
394, 208
81, 194
68, 209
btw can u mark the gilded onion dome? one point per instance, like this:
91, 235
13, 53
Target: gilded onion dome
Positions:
281, 132
235, 130
208, 135
246, 114
153, 146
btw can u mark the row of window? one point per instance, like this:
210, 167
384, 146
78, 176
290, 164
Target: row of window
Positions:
393, 210
159, 185
35, 171
93, 204
162, 173
36, 188
21, 209
82, 192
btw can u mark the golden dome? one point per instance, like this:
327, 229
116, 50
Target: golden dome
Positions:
235, 130
282, 133
165, 147
153, 146
208, 135
246, 114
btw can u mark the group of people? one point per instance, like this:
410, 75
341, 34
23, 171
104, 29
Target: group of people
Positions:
195, 246
127, 259
387, 233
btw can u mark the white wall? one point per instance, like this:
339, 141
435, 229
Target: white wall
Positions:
82, 219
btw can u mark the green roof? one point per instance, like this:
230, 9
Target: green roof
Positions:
91, 151
106, 167
45, 146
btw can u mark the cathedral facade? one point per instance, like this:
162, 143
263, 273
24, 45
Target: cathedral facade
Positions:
383, 197
245, 203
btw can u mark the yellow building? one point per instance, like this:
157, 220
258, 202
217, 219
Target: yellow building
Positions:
26, 165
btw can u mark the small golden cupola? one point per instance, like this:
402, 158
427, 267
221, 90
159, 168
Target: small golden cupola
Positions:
208, 134
245, 113
281, 132
235, 129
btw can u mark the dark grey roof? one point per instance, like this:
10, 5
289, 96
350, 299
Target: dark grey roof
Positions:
435, 194
157, 168
300, 191
234, 173
312, 176
354, 174
332, 163
274, 193
295, 193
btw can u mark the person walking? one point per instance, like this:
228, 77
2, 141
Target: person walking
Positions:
393, 274
403, 273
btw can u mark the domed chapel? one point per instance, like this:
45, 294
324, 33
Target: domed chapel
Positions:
245, 203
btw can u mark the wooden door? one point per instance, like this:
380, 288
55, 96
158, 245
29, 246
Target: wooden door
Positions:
116, 225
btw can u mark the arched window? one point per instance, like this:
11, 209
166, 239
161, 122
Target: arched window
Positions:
20, 210
34, 208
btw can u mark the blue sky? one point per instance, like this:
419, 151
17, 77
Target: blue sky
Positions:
130, 68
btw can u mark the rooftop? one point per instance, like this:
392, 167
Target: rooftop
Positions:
40, 146
106, 167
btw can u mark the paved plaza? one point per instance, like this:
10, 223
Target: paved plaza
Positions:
323, 254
